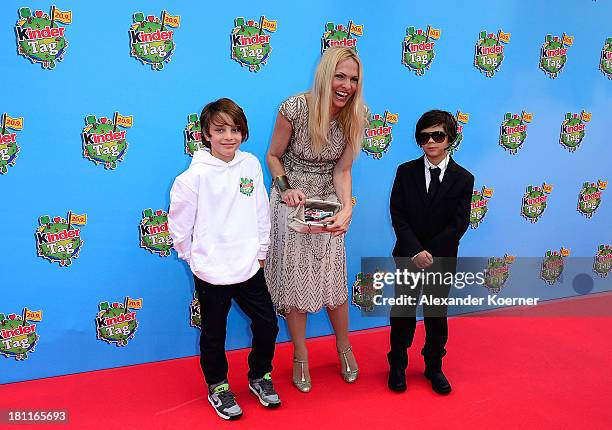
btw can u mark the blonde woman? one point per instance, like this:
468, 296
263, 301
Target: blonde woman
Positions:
316, 137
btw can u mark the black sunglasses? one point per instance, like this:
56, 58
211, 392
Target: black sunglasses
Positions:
437, 136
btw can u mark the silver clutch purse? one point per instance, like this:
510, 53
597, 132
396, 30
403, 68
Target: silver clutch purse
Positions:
310, 217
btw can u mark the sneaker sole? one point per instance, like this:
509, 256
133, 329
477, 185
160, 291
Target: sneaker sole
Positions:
262, 401
225, 417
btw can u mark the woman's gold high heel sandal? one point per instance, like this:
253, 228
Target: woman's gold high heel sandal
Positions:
301, 383
349, 374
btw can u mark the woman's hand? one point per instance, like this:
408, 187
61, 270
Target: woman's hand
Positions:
339, 223
293, 197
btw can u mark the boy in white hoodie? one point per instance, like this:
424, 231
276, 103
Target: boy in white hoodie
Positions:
220, 223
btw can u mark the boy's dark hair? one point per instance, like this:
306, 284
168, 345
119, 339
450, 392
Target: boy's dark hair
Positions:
435, 117
212, 114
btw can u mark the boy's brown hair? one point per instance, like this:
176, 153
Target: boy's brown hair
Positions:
214, 112
435, 117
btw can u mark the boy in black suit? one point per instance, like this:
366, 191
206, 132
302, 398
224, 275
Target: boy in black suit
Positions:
430, 211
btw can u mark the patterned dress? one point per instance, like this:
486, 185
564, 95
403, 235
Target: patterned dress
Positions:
306, 271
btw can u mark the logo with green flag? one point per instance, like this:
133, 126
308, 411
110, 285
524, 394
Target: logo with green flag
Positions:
59, 239
497, 272
18, 335
513, 131
103, 142
418, 48
151, 40
605, 64
462, 119
489, 52
246, 186
553, 54
116, 322
193, 135
573, 130
8, 142
339, 35
602, 263
589, 198
552, 265
250, 43
195, 317
40, 38
378, 134
364, 292
154, 235
535, 201
479, 206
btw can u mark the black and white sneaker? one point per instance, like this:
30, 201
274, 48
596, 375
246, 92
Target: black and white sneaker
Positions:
222, 399
264, 390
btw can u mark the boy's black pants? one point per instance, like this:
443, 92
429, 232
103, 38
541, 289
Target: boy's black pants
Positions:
215, 301
403, 319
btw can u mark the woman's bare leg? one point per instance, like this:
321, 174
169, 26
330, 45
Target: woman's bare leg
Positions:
296, 322
339, 321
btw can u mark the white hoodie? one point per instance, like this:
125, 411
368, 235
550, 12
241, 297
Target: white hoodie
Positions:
219, 217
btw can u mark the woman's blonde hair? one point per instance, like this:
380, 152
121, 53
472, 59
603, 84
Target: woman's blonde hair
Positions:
352, 117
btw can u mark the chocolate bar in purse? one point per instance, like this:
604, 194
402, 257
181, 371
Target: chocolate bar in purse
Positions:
310, 217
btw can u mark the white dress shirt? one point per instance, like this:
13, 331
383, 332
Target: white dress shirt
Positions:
428, 165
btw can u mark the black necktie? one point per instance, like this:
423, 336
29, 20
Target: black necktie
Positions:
434, 184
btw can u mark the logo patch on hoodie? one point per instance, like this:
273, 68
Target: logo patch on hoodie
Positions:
246, 186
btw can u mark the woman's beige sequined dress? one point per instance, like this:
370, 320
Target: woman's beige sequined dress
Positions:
306, 271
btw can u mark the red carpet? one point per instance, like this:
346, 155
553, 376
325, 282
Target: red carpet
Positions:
506, 372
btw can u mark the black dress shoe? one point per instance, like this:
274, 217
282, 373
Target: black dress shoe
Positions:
439, 383
397, 379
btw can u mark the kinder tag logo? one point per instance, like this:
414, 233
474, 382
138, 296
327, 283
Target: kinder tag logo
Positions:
195, 317
377, 135
489, 53
513, 131
58, 240
246, 186
602, 263
461, 118
535, 201
154, 235
553, 54
605, 64
102, 142
150, 41
116, 323
589, 198
39, 37
250, 45
364, 292
18, 335
8, 142
497, 272
418, 50
338, 35
193, 135
552, 265
480, 206
573, 130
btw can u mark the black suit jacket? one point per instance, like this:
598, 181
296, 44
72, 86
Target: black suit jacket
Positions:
435, 225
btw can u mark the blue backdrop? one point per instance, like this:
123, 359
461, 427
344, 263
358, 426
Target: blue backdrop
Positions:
98, 77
